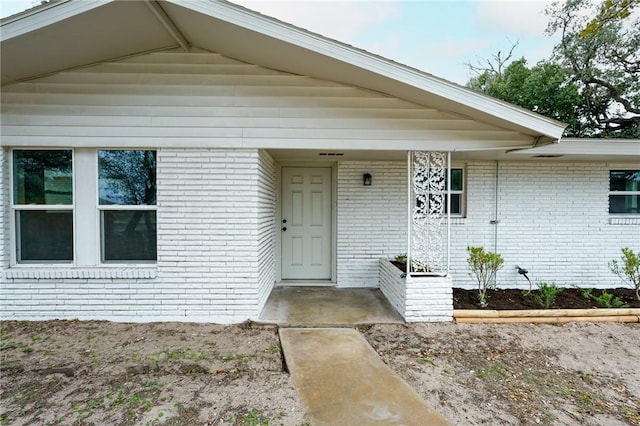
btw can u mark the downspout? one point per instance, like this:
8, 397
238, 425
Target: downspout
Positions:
495, 212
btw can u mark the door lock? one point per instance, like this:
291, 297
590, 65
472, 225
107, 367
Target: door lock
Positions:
284, 229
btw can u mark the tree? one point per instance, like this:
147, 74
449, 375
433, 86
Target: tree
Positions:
545, 88
610, 10
590, 83
603, 55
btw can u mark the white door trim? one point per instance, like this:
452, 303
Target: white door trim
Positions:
278, 260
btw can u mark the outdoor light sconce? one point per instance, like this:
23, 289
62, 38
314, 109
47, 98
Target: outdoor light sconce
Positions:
366, 179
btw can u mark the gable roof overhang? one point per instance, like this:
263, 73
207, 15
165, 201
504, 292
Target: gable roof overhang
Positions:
70, 34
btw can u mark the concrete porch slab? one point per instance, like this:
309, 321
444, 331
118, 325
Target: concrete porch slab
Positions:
327, 306
343, 381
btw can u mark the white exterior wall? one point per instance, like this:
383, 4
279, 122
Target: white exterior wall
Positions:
553, 220
214, 239
208, 233
266, 227
371, 220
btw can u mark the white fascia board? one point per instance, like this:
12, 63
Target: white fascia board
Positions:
34, 19
334, 49
589, 147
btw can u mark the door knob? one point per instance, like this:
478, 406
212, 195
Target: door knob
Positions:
284, 229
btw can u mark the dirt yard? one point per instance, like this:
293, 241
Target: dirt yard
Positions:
90, 372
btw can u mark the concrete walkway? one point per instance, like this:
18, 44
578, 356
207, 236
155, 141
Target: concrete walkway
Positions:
343, 381
328, 307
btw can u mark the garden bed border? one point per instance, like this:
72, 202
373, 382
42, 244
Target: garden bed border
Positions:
548, 316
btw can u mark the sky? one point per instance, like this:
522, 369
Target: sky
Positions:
436, 36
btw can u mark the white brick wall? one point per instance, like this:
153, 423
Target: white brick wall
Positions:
266, 227
216, 233
425, 298
553, 221
371, 220
208, 232
213, 235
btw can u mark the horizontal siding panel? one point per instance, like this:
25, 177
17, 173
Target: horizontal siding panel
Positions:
132, 120
260, 132
182, 68
185, 99
178, 57
195, 88
205, 99
212, 111
159, 78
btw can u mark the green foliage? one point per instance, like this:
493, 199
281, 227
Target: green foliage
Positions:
628, 269
590, 82
605, 300
610, 10
546, 295
545, 88
417, 265
600, 45
484, 265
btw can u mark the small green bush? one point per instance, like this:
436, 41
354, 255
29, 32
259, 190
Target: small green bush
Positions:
546, 295
629, 269
484, 265
605, 300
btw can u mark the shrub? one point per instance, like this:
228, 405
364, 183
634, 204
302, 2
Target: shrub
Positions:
484, 265
606, 299
546, 295
629, 269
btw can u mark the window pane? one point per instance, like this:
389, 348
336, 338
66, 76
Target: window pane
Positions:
127, 177
456, 179
456, 205
128, 235
624, 204
44, 235
624, 180
42, 177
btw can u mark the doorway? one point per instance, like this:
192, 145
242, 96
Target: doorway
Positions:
306, 223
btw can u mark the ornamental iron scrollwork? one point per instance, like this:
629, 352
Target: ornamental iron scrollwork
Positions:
428, 230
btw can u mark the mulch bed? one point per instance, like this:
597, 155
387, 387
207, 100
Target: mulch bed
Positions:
569, 298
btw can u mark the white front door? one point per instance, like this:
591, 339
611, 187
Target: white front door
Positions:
306, 223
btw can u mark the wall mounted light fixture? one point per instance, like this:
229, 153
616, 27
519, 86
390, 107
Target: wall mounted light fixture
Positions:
366, 179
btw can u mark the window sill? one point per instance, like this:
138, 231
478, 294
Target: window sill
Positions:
70, 272
458, 220
635, 220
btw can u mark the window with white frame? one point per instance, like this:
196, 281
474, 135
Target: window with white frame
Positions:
624, 192
43, 205
83, 207
457, 193
127, 205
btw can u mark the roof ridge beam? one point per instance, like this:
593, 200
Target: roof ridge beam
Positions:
168, 24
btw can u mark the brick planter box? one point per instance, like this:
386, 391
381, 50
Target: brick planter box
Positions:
417, 299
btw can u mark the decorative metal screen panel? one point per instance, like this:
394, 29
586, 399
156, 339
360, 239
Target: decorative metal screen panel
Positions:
428, 232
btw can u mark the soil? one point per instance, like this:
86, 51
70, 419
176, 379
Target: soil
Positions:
98, 372
568, 298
